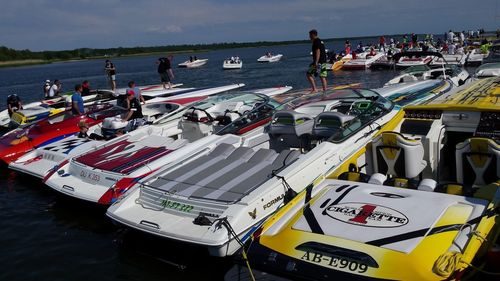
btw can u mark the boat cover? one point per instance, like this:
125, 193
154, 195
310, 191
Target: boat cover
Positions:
226, 174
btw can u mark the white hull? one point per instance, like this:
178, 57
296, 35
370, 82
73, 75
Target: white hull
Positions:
362, 63
228, 64
150, 148
193, 64
273, 58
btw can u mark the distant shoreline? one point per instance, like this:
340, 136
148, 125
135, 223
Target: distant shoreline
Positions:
93, 54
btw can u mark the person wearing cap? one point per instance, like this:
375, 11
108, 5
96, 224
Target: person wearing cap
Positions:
136, 91
55, 89
133, 106
77, 101
46, 88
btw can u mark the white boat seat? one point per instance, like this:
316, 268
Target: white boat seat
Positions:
326, 124
427, 185
398, 156
478, 161
289, 129
224, 177
377, 178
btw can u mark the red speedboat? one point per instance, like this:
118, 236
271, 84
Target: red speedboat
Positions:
20, 141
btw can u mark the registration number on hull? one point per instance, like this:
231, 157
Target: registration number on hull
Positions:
90, 177
335, 262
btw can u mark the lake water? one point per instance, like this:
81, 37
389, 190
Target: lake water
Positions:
44, 236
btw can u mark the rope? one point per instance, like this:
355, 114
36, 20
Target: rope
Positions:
448, 263
223, 221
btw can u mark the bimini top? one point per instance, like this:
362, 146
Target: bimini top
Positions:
480, 96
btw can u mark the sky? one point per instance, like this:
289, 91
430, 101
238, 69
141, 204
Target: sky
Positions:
69, 24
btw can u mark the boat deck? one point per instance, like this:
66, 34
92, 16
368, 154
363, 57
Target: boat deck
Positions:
225, 175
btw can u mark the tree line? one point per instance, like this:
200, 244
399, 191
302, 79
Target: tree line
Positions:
8, 54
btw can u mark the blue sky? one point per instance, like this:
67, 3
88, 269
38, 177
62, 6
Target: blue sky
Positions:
69, 24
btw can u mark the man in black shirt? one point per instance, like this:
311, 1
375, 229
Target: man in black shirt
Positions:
134, 107
13, 104
165, 71
318, 66
110, 70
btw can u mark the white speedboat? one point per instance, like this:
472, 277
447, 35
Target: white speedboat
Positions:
457, 59
232, 64
270, 58
40, 161
457, 75
362, 61
230, 183
194, 63
476, 57
414, 58
487, 70
103, 173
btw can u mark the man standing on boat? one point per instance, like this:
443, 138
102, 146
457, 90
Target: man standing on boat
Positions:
318, 66
77, 101
110, 69
165, 71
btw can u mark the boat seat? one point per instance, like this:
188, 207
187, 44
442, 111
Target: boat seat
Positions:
326, 124
354, 176
477, 161
398, 156
290, 129
401, 182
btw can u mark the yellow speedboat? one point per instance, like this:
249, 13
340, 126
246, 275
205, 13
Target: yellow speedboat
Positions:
420, 202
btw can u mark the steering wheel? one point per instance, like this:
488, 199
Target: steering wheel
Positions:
357, 107
210, 117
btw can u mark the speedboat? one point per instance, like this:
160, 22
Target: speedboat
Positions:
454, 73
476, 57
270, 58
338, 64
422, 198
231, 181
413, 58
106, 171
457, 59
494, 53
194, 63
64, 124
232, 64
487, 70
36, 111
40, 161
363, 61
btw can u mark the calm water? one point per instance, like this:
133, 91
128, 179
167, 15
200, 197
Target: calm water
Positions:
47, 237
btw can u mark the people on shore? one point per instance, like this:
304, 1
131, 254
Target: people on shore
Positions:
46, 88
318, 65
110, 70
55, 89
165, 71
77, 101
13, 104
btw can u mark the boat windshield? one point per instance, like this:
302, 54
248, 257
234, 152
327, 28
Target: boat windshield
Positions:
229, 96
290, 101
367, 109
416, 69
110, 112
